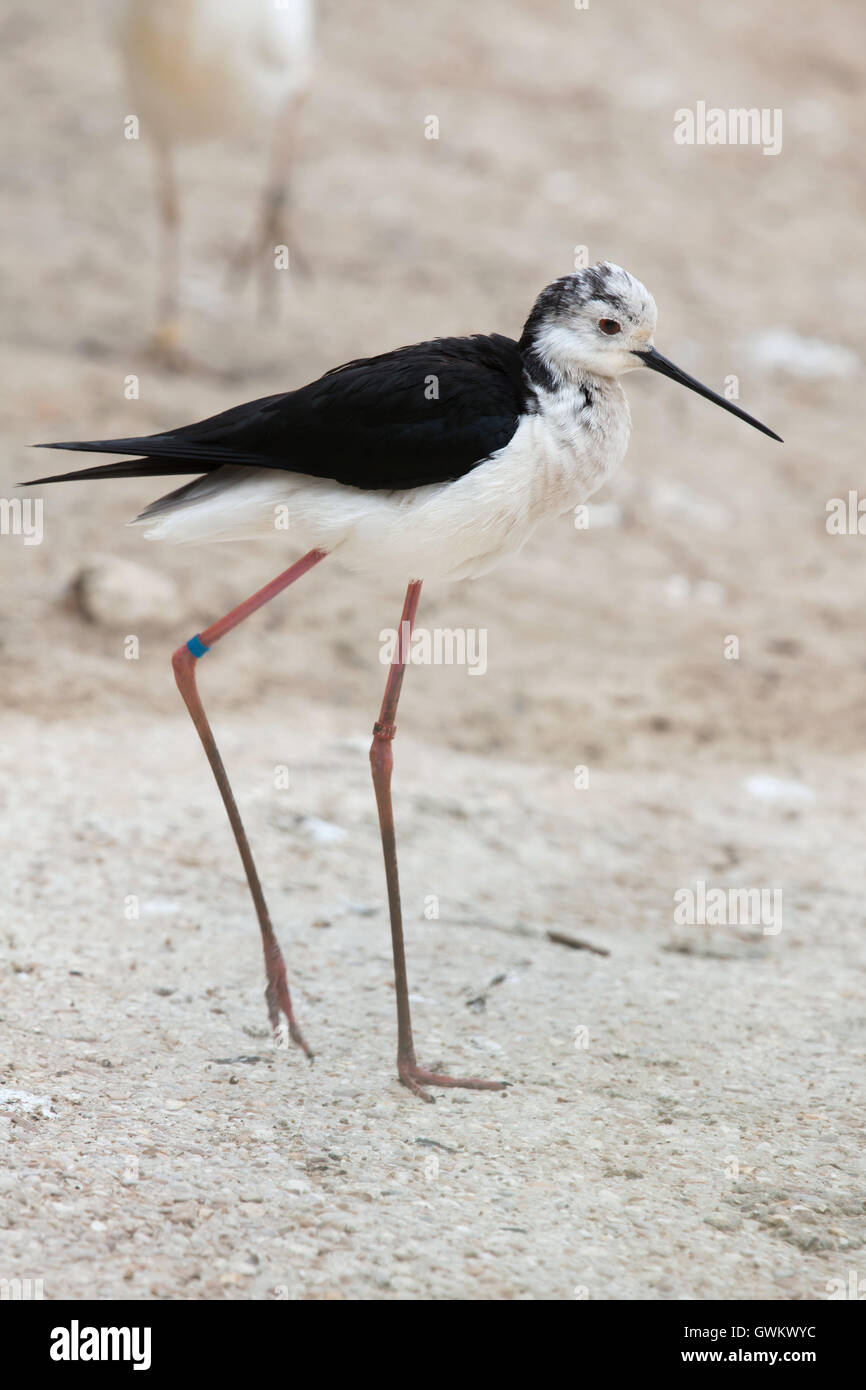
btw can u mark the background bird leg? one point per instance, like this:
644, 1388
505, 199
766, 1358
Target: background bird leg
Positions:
184, 663
165, 347
382, 762
275, 227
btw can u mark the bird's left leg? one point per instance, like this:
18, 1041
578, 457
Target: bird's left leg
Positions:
382, 762
184, 663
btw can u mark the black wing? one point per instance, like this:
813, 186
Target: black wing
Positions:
422, 414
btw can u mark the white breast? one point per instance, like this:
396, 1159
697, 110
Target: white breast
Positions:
556, 459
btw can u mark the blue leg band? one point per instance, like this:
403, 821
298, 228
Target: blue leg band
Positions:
197, 646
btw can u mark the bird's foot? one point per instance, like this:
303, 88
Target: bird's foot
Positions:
416, 1078
279, 1003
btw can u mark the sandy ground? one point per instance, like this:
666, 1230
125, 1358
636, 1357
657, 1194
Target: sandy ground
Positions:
686, 1115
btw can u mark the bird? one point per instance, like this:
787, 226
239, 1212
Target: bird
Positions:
200, 70
434, 461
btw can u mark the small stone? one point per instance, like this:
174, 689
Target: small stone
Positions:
322, 832
723, 1221
117, 593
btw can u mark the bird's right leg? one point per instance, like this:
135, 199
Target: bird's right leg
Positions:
165, 346
184, 664
381, 764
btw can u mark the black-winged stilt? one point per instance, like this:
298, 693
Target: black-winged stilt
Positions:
436, 460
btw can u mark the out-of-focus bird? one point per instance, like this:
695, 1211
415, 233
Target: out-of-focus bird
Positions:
204, 70
434, 461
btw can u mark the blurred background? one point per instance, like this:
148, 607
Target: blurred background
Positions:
606, 646
555, 132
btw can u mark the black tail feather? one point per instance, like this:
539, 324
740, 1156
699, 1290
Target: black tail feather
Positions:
160, 454
129, 468
136, 444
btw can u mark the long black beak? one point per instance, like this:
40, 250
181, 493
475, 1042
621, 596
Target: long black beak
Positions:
657, 363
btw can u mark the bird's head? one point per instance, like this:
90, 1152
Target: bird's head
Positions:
600, 321
592, 321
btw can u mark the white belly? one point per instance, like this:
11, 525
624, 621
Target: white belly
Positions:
455, 530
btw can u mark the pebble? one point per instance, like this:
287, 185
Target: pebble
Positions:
118, 593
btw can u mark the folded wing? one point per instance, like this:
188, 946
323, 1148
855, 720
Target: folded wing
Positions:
423, 414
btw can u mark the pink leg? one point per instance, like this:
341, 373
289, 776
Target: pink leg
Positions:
382, 762
183, 662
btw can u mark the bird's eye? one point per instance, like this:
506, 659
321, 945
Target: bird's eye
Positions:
609, 326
